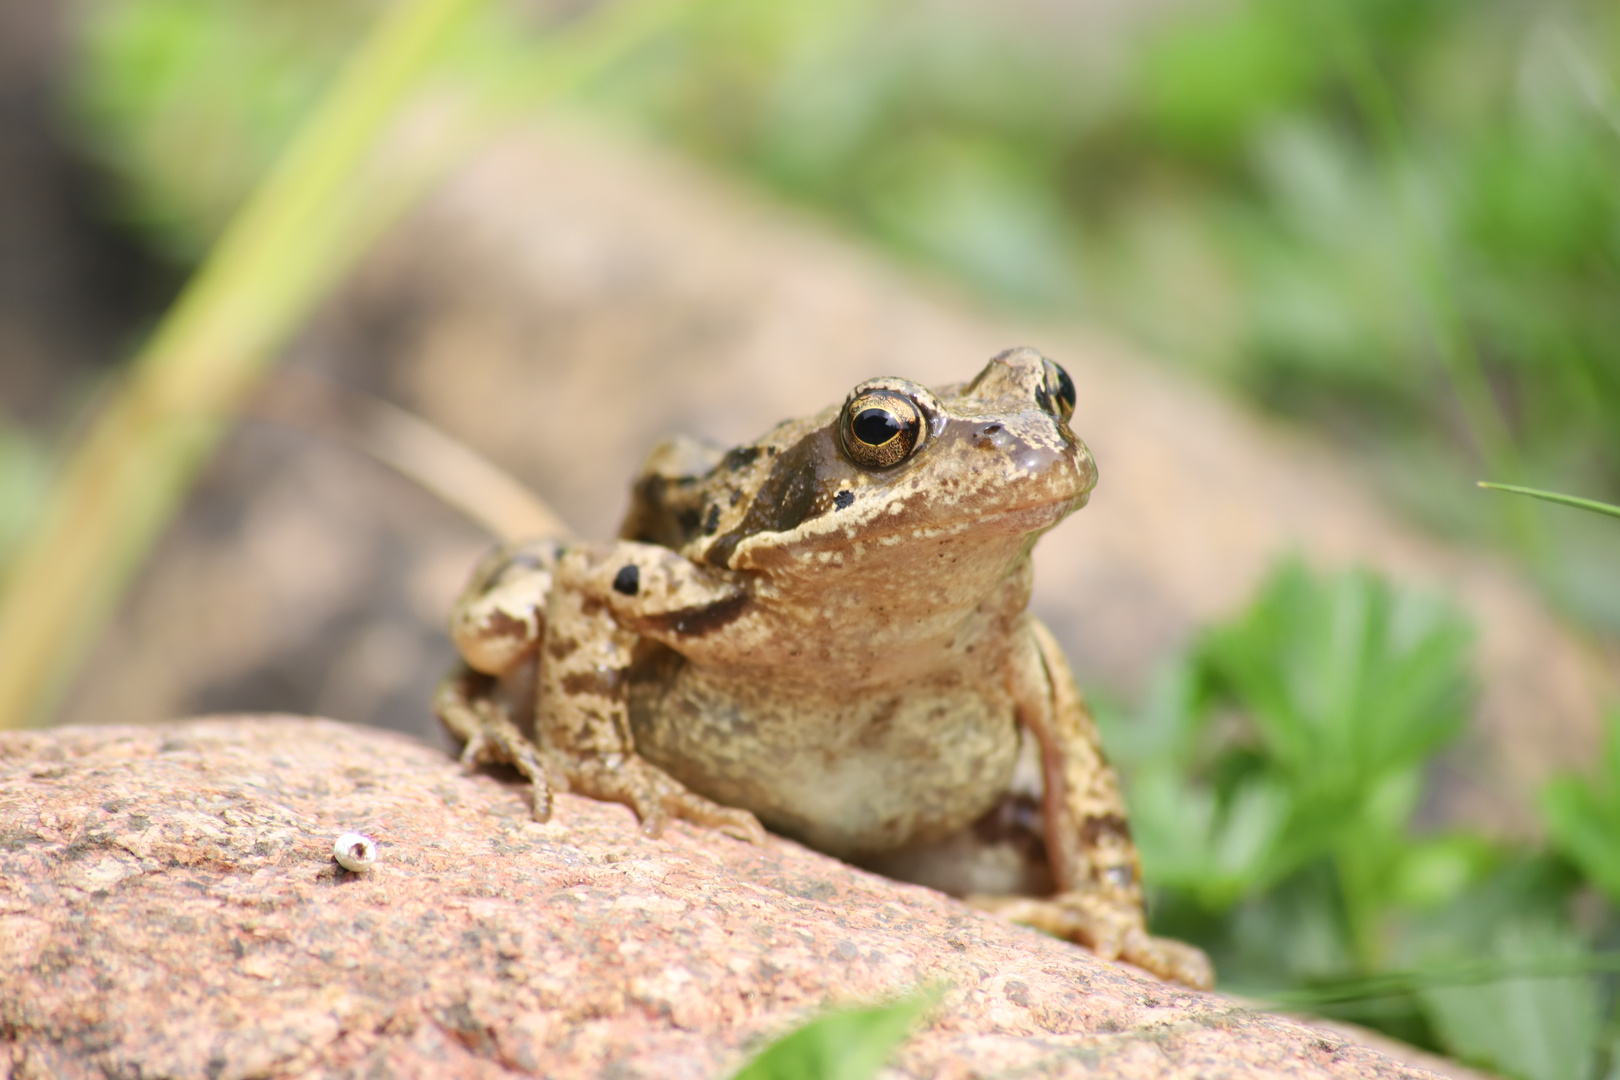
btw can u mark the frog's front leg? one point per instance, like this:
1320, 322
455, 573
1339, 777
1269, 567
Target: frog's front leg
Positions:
496, 625
600, 593
1088, 843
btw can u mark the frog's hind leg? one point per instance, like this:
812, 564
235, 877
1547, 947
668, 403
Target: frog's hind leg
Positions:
467, 704
1093, 863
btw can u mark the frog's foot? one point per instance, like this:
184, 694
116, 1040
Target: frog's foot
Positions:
489, 736
1110, 927
656, 797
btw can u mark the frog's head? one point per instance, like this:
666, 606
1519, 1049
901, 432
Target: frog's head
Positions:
963, 479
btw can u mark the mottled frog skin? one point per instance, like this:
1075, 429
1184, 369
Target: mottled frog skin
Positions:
825, 631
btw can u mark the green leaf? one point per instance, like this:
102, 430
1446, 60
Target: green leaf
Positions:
851, 1044
1583, 817
1347, 679
1534, 1027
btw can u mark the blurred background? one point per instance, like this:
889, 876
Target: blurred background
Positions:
1316, 268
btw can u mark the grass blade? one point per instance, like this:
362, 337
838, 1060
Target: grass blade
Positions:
1556, 497
298, 233
123, 482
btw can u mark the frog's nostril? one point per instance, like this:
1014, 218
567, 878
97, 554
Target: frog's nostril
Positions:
992, 437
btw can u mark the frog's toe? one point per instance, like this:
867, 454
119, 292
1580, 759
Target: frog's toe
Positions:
1171, 960
1110, 927
478, 750
657, 797
728, 819
654, 819
1101, 927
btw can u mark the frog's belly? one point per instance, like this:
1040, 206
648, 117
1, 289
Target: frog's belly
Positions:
850, 779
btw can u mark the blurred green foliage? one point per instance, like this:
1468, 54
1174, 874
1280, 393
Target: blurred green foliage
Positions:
848, 1044
190, 102
1273, 776
1346, 688
23, 472
1583, 817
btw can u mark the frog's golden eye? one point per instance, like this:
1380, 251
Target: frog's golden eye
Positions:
880, 428
1059, 390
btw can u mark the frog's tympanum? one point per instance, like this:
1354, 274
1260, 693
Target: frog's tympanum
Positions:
824, 631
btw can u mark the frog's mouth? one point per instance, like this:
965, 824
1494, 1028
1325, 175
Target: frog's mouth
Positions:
1034, 517
1028, 464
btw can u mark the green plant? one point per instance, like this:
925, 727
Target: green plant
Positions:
849, 1044
1272, 776
1291, 744
1583, 817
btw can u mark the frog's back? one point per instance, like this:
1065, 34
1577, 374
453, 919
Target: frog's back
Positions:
668, 494
689, 488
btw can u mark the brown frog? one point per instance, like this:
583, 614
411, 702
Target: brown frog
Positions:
825, 631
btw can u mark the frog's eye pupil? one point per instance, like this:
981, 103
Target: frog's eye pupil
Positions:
874, 427
880, 428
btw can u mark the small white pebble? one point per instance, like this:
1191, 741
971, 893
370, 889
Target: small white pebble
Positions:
354, 851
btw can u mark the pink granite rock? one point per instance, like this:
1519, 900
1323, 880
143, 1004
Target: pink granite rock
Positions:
169, 906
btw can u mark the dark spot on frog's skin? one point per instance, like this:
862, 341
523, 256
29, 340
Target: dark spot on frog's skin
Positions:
992, 437
503, 625
1102, 827
740, 457
697, 621
736, 496
628, 580
844, 500
689, 519
561, 648
711, 521
602, 682
786, 499
877, 728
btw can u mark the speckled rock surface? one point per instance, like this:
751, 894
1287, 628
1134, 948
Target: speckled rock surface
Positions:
169, 906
